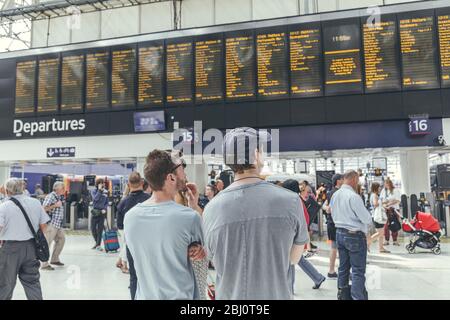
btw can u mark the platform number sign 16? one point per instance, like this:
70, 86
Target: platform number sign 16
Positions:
419, 126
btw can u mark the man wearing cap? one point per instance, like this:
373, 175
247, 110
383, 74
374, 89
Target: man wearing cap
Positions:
352, 222
254, 230
337, 181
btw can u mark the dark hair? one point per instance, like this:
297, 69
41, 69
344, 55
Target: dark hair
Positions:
134, 179
213, 188
292, 185
240, 168
99, 181
145, 186
158, 165
375, 187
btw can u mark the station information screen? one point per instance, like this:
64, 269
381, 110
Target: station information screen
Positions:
123, 77
271, 65
444, 48
342, 50
380, 56
179, 72
48, 85
72, 83
240, 68
208, 70
25, 86
151, 68
305, 61
97, 80
420, 70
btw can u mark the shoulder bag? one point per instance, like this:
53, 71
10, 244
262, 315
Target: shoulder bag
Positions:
42, 251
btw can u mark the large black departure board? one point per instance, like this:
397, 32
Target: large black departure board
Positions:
179, 72
342, 50
72, 76
444, 48
240, 66
25, 86
381, 55
272, 69
97, 80
150, 71
306, 61
208, 70
420, 69
48, 85
123, 77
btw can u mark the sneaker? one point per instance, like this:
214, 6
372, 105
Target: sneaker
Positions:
48, 268
313, 246
332, 275
60, 264
308, 254
99, 248
396, 244
386, 243
94, 247
317, 286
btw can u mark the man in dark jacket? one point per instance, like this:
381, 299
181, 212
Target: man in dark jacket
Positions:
136, 195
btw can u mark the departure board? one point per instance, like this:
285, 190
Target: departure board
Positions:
179, 72
48, 85
444, 48
123, 77
25, 86
97, 80
151, 68
380, 56
271, 62
239, 61
419, 61
72, 83
208, 71
305, 62
342, 58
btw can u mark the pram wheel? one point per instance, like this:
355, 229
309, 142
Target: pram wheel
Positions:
410, 248
436, 250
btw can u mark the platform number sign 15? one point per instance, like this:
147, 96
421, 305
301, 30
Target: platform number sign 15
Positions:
419, 126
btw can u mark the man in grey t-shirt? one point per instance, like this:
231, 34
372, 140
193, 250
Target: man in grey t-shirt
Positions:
254, 230
162, 235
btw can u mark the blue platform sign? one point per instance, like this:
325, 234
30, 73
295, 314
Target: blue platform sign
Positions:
419, 125
61, 152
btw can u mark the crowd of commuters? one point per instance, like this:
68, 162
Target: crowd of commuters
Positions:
170, 234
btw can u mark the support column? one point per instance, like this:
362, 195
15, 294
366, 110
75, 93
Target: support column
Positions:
415, 172
140, 163
198, 173
5, 173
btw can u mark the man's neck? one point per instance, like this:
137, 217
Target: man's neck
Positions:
135, 189
161, 196
248, 177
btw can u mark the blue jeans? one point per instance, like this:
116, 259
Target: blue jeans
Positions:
310, 271
352, 249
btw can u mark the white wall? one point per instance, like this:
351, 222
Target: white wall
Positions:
119, 146
197, 13
89, 28
156, 17
267, 9
59, 32
39, 33
120, 22
229, 11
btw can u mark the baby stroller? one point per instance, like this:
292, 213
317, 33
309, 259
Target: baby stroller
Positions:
425, 230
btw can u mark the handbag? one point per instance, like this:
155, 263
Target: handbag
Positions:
394, 224
41, 244
96, 212
379, 215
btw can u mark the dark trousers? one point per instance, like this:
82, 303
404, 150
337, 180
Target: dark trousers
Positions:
133, 276
97, 226
18, 259
352, 249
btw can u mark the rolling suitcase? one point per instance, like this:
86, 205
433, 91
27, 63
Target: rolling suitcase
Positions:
110, 240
